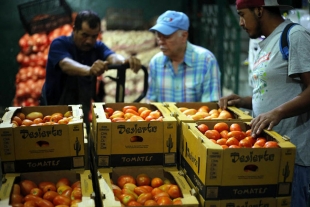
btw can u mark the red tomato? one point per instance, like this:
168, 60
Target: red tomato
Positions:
245, 143
232, 141
234, 146
49, 187
17, 119
144, 197
145, 113
37, 192
143, 179
165, 187
60, 199
134, 203
221, 126
174, 191
76, 184
224, 134
62, 188
50, 195
44, 203
21, 115
260, 141
237, 134
221, 141
26, 186
162, 201
27, 122
30, 204
67, 192
177, 201
123, 179
126, 198
156, 190
203, 108
202, 128
162, 194
47, 118
150, 203
109, 110
212, 134
148, 188
16, 189
271, 144
141, 109
130, 107
235, 127
30, 197
156, 182
76, 194
17, 198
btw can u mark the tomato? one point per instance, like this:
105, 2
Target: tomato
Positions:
60, 199
76, 184
37, 192
232, 141
68, 114
44, 203
76, 194
62, 188
34, 198
212, 134
165, 187
16, 189
145, 113
21, 115
224, 146
130, 107
17, 198
18, 205
271, 144
129, 186
174, 191
143, 179
49, 187
234, 146
123, 179
126, 198
141, 109
148, 188
139, 190
250, 139
67, 193
62, 181
150, 203
237, 134
30, 203
162, 201
182, 109
37, 121
27, 122
248, 132
203, 108
177, 201
156, 191
45, 183
235, 127
47, 118
221, 141
155, 114
202, 128
56, 117
245, 143
156, 182
260, 141
224, 134
26, 186
131, 111
50, 195
221, 126
144, 197
188, 112
33, 115
17, 119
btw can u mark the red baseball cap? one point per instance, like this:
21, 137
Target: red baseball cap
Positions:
242, 4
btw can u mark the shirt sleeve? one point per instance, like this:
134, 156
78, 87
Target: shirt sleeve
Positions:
212, 80
151, 93
58, 51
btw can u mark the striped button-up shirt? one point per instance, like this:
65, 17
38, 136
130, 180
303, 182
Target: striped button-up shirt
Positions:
197, 79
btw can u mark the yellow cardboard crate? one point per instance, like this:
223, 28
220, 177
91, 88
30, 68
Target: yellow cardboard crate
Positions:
174, 109
170, 173
52, 176
234, 173
63, 145
113, 144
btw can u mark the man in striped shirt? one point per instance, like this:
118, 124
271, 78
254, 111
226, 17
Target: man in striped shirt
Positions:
181, 72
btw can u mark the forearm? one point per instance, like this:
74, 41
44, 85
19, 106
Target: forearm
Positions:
72, 67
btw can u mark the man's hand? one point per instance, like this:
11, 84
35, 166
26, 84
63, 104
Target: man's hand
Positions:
134, 63
230, 100
98, 67
266, 120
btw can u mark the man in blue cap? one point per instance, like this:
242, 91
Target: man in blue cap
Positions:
181, 72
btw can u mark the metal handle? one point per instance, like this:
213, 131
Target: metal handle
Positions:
121, 79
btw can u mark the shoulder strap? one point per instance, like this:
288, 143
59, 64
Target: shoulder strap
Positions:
284, 40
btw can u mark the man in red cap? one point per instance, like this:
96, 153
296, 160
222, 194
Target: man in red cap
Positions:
281, 88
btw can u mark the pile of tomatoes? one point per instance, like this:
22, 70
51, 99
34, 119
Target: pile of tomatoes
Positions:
133, 113
234, 137
205, 113
46, 194
143, 190
38, 119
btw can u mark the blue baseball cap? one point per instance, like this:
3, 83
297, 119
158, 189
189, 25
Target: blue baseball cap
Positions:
171, 21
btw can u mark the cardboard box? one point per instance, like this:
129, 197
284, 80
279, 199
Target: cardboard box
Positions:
53, 176
42, 148
174, 109
235, 173
113, 144
170, 173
